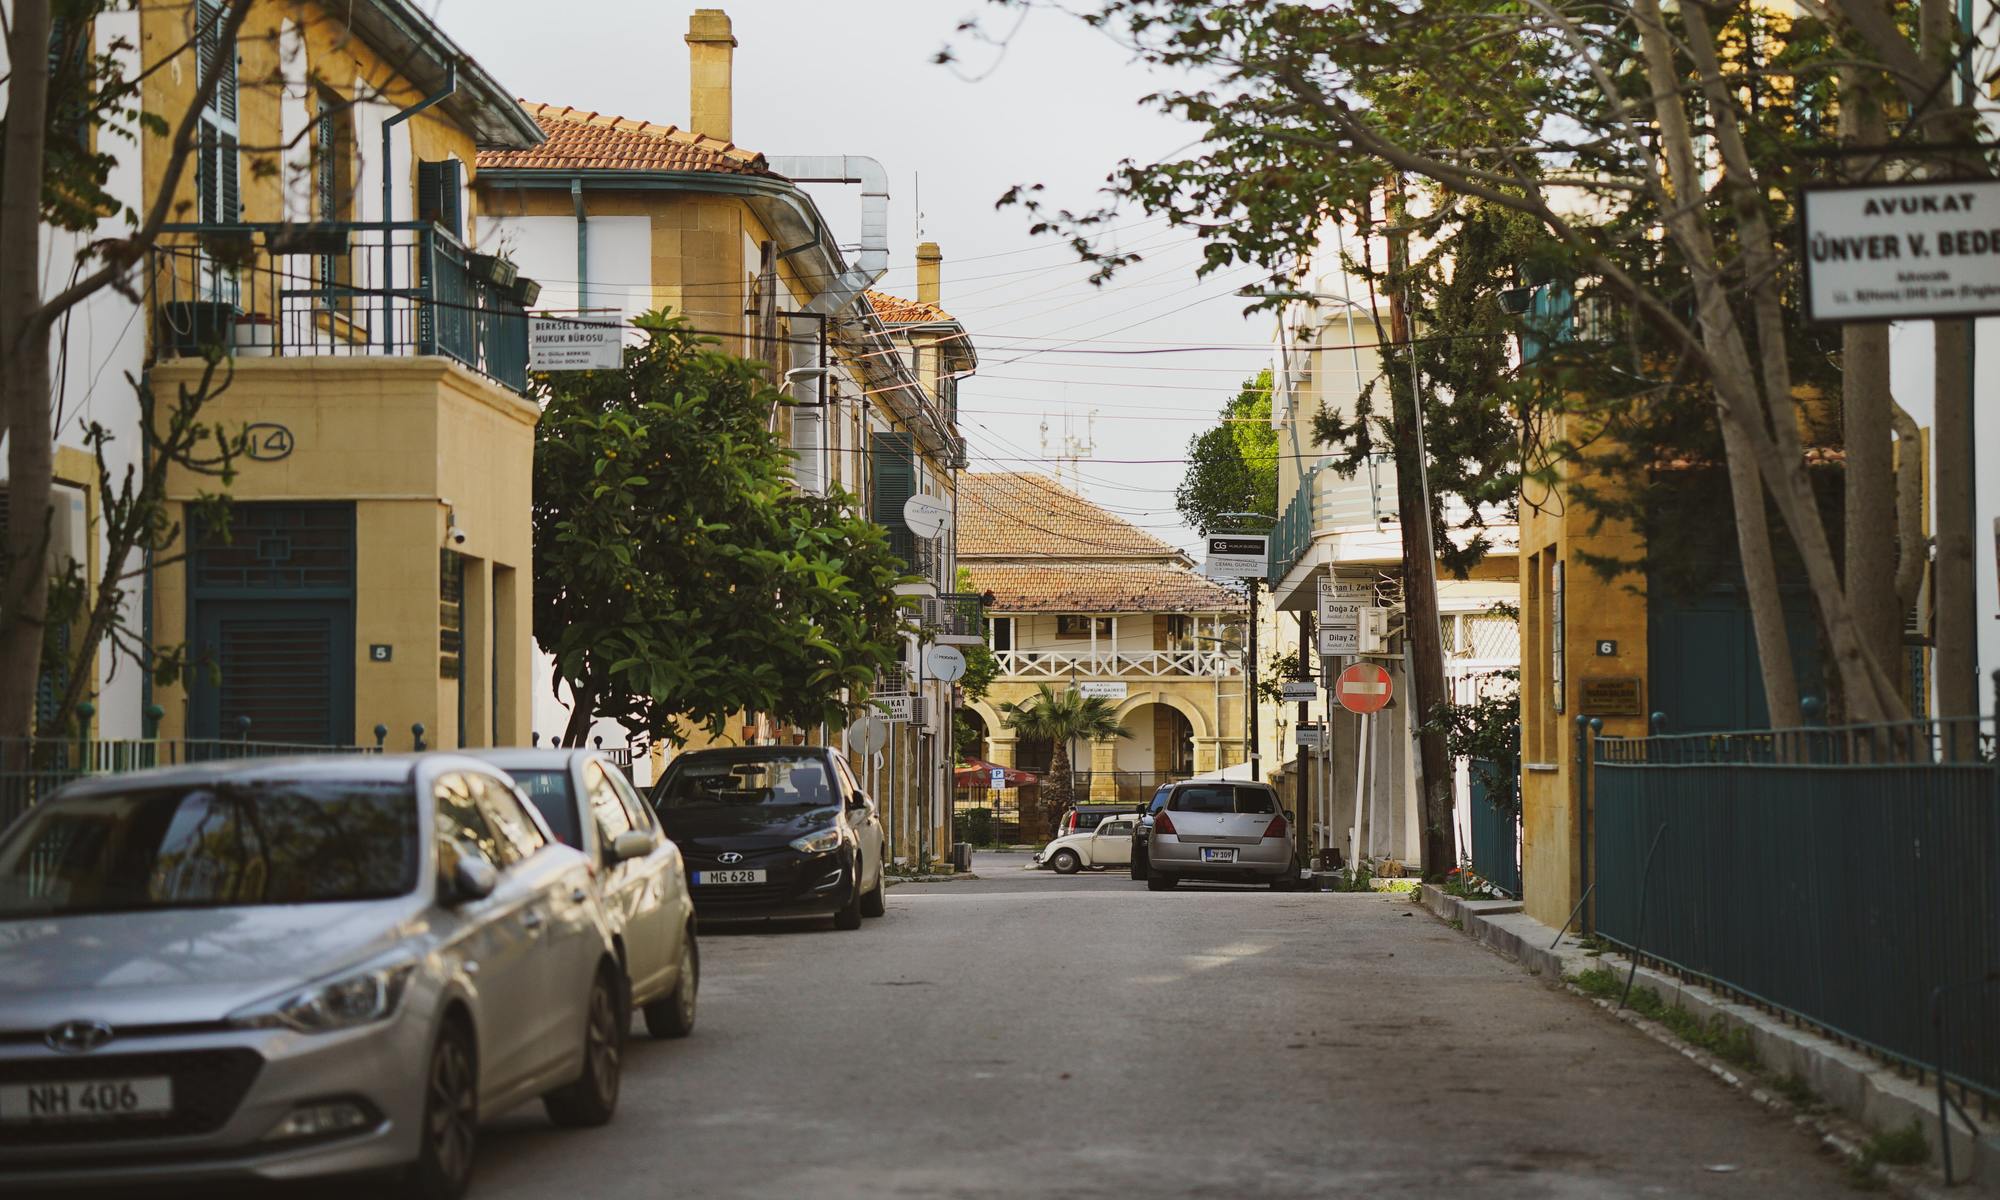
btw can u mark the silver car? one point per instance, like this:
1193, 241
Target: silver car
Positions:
589, 804
289, 968
1212, 829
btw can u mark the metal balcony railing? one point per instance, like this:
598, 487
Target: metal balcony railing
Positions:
1325, 501
956, 618
1063, 664
924, 557
337, 289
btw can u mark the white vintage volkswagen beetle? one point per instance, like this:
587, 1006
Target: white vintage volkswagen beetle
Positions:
1109, 845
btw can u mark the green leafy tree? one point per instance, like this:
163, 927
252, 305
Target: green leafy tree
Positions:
1057, 717
1233, 466
679, 577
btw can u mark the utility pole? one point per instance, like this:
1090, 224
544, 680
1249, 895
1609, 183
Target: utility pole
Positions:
1250, 689
1420, 605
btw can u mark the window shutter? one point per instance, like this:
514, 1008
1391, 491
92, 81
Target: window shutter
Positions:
217, 59
808, 434
893, 456
439, 185
231, 198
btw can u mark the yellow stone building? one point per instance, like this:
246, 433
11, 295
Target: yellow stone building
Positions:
376, 570
1084, 599
620, 215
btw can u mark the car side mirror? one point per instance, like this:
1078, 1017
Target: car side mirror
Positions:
1289, 818
473, 878
856, 801
633, 843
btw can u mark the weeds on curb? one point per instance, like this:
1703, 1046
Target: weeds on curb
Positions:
1600, 983
1794, 1090
1903, 1146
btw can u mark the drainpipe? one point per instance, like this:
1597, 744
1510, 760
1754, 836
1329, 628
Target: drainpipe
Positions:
582, 247
389, 194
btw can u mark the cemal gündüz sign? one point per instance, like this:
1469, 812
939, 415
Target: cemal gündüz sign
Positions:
1902, 251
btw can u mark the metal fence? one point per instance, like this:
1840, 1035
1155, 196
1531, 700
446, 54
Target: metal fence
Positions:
31, 771
1845, 876
1495, 828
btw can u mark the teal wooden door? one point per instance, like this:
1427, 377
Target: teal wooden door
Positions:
271, 625
287, 665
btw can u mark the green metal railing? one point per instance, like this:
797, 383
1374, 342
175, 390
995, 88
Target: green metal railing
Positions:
1845, 876
1293, 534
34, 769
337, 289
1495, 831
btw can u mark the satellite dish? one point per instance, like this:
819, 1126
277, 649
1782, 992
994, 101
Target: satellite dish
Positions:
926, 515
945, 663
867, 735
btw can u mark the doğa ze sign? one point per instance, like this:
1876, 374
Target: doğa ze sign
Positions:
1903, 251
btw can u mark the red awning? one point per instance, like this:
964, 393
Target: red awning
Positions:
977, 772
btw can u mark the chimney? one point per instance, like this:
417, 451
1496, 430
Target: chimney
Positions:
711, 52
930, 266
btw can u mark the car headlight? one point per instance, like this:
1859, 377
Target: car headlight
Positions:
357, 998
820, 842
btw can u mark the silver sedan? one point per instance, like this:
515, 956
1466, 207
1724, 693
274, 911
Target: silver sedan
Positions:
589, 804
1219, 830
291, 968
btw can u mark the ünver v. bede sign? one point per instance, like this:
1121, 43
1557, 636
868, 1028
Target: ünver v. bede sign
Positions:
1901, 251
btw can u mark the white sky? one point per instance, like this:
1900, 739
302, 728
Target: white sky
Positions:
1061, 107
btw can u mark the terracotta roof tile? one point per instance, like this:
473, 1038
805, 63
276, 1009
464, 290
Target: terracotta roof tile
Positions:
1004, 514
894, 310
589, 141
1094, 588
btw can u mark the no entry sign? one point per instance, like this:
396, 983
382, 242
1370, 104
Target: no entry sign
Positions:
1362, 688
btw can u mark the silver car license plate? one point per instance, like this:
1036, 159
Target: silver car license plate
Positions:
1218, 854
87, 1099
708, 877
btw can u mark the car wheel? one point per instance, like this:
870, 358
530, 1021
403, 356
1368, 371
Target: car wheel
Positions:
594, 1096
849, 915
451, 1120
673, 1017
1065, 862
1160, 881
876, 903
1138, 866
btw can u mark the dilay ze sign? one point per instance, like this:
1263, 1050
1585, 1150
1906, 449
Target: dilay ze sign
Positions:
1902, 251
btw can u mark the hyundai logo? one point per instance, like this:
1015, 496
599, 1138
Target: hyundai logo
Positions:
77, 1037
729, 856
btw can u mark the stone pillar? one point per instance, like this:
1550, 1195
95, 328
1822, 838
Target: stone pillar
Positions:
1205, 754
1000, 751
1103, 771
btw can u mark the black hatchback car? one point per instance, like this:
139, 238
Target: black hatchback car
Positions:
774, 831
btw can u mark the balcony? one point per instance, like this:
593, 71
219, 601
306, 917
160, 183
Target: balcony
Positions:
957, 619
1327, 501
338, 289
1122, 664
923, 558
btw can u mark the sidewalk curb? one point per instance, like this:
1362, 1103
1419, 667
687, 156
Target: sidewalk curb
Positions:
1863, 1094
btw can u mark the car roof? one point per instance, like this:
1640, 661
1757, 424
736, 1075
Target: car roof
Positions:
753, 752
371, 768
548, 758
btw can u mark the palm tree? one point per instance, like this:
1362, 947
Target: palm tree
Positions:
1058, 717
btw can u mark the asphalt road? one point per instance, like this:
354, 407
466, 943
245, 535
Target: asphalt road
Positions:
1027, 1034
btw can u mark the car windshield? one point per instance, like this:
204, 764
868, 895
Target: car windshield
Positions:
212, 845
773, 778
549, 791
1221, 798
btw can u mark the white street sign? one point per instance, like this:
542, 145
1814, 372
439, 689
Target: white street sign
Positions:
926, 515
1343, 590
999, 778
1102, 691
1339, 639
1311, 736
1902, 251
1298, 691
1238, 556
945, 663
592, 344
897, 708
